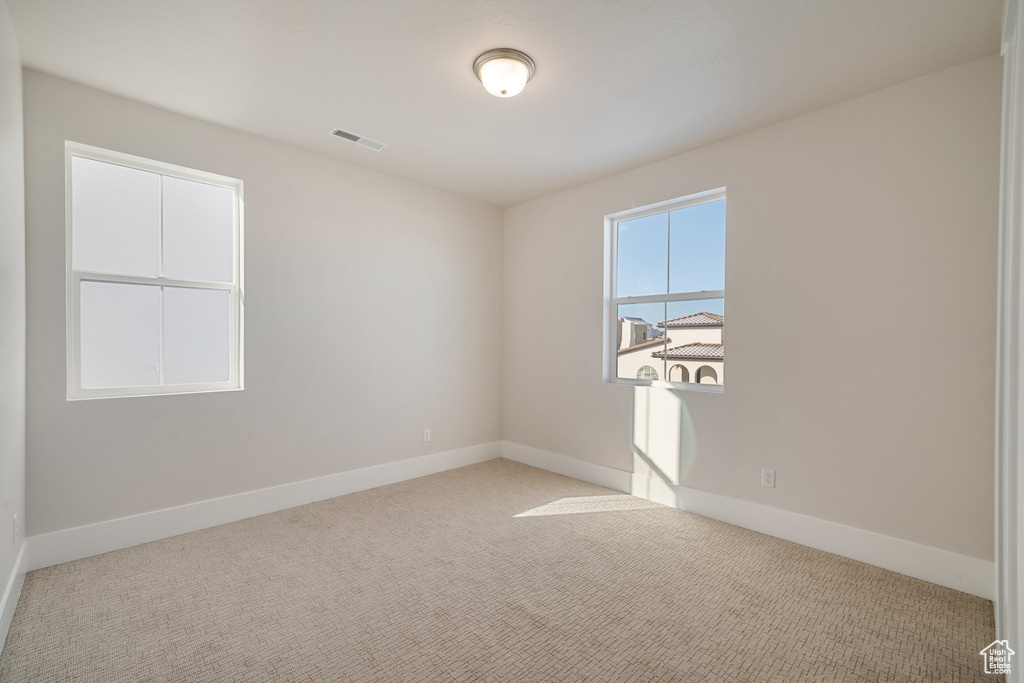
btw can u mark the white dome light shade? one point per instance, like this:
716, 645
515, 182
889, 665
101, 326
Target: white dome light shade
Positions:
504, 72
504, 77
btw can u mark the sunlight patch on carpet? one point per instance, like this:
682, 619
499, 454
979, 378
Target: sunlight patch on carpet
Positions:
586, 504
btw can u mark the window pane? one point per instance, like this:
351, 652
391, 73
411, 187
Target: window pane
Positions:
698, 248
680, 309
198, 228
115, 212
642, 258
696, 348
196, 335
639, 336
120, 331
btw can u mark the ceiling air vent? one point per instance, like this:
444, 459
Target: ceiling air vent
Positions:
375, 145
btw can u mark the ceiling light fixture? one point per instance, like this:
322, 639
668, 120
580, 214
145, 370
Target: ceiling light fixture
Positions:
504, 72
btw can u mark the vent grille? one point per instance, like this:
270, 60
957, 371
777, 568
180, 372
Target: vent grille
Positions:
375, 145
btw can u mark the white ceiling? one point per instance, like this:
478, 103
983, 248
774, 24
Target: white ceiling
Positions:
619, 83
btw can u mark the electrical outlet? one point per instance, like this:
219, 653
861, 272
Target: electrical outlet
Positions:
768, 478
14, 536
426, 435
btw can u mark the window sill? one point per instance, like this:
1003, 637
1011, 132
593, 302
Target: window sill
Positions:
134, 393
674, 386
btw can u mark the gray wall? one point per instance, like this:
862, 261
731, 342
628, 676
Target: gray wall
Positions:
860, 279
338, 260
12, 299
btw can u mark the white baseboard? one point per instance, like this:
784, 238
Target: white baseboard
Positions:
12, 591
72, 544
960, 572
608, 477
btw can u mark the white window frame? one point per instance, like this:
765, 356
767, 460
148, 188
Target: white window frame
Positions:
74, 279
612, 301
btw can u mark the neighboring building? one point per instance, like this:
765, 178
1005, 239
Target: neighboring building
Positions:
686, 349
697, 351
635, 332
697, 362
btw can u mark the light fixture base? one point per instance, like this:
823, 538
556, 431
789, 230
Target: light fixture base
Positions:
504, 53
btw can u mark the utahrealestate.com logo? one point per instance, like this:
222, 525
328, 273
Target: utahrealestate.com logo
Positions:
997, 657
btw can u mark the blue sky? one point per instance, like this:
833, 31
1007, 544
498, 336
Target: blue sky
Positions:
693, 260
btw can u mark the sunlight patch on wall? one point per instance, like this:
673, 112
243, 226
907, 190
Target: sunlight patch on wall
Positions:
656, 431
663, 442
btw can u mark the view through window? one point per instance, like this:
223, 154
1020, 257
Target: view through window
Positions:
667, 292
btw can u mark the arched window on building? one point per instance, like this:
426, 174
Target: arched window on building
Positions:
706, 375
647, 372
678, 373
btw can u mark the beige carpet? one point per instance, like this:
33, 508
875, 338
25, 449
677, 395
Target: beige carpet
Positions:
494, 572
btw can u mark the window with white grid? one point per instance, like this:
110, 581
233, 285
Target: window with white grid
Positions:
665, 293
154, 277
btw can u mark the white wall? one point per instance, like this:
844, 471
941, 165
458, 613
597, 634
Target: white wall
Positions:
876, 214
328, 246
12, 316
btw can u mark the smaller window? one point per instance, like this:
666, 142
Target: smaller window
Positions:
665, 293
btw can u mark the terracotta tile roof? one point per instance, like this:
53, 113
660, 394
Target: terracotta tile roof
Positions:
694, 350
660, 341
695, 319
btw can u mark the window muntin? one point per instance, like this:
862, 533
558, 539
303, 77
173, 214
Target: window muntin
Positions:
665, 293
154, 277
